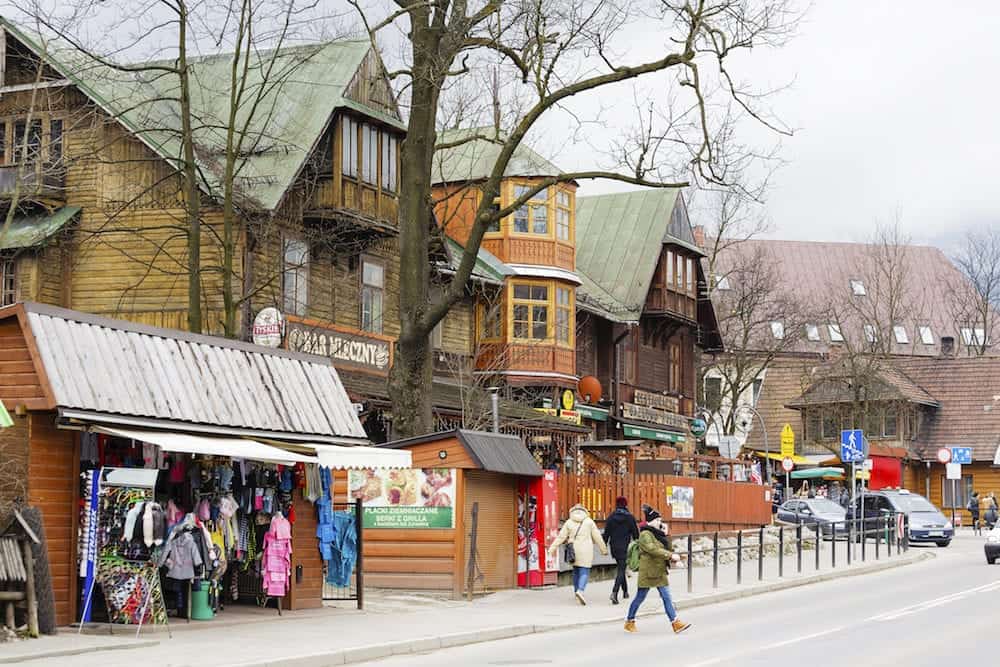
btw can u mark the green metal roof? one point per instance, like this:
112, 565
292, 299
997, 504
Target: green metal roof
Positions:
488, 266
474, 160
307, 83
619, 238
27, 231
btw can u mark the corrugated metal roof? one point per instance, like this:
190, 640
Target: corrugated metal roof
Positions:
307, 84
474, 160
488, 266
27, 231
114, 367
619, 238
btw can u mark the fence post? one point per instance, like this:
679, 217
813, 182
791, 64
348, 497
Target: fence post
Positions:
715, 560
906, 532
833, 548
819, 540
781, 551
878, 535
760, 555
864, 535
850, 539
798, 547
690, 563
359, 566
739, 557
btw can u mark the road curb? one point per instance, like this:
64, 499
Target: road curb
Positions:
424, 644
70, 652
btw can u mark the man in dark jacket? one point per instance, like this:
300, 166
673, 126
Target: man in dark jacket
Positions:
619, 530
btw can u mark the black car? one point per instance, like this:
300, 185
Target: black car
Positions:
926, 523
811, 512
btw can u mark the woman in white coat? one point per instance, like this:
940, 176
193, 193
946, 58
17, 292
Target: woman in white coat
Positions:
580, 531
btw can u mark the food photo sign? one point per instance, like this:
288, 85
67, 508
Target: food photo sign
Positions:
412, 498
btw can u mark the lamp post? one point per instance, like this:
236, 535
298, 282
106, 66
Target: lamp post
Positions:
752, 411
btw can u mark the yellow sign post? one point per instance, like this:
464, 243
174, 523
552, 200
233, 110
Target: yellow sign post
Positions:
787, 441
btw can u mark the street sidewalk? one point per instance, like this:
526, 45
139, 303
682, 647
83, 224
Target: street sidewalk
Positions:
391, 626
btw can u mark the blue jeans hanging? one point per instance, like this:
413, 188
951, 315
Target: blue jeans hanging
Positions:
344, 551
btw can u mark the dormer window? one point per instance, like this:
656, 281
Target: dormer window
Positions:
812, 332
836, 336
778, 330
722, 283
900, 334
858, 288
974, 336
926, 335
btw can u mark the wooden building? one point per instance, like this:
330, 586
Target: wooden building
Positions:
487, 468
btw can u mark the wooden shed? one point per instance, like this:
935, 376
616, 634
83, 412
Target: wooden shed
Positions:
485, 468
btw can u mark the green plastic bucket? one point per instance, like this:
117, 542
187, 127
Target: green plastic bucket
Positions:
200, 609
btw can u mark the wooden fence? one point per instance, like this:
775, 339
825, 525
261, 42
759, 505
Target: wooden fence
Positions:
717, 504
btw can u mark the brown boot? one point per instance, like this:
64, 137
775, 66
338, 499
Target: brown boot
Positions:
679, 626
630, 626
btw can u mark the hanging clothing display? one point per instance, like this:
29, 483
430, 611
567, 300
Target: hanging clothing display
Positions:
344, 551
276, 563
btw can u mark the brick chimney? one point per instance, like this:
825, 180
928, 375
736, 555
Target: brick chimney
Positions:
699, 235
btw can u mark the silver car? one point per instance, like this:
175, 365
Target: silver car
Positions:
813, 512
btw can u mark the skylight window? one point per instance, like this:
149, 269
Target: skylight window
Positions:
778, 330
900, 334
858, 288
871, 333
835, 335
722, 282
926, 335
812, 332
973, 336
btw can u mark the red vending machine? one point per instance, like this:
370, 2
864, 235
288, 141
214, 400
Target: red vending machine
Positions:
537, 529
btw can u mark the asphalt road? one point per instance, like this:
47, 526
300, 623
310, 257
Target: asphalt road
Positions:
938, 612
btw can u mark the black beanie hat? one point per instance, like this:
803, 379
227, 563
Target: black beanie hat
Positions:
651, 514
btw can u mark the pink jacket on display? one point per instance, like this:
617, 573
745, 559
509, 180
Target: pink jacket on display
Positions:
276, 563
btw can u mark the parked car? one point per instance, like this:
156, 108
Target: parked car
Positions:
813, 512
927, 523
992, 546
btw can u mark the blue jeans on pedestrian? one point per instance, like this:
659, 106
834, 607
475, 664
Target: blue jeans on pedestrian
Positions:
580, 577
640, 596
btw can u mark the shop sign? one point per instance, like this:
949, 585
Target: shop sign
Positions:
410, 498
571, 416
590, 412
568, 399
652, 434
268, 327
649, 399
346, 348
540, 440
681, 501
653, 416
552, 412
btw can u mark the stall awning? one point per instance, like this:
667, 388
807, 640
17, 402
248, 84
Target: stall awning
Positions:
818, 473
776, 456
195, 444
340, 458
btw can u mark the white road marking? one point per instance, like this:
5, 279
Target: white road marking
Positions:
936, 602
787, 642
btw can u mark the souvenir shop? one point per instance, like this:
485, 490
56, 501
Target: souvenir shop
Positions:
177, 474
213, 529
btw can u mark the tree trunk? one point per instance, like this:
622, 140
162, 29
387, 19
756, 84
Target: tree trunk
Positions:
411, 389
192, 196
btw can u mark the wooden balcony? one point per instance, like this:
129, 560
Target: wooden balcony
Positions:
38, 182
347, 199
527, 357
523, 249
661, 301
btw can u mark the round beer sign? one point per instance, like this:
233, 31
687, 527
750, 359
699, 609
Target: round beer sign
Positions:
699, 427
268, 327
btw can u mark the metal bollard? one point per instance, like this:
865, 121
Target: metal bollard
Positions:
850, 539
715, 560
819, 540
690, 563
833, 547
878, 534
798, 547
760, 555
864, 537
781, 551
739, 557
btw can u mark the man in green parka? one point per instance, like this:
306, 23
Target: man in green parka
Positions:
654, 557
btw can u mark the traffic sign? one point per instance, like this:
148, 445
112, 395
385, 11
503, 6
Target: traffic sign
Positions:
961, 455
852, 446
944, 455
953, 470
787, 464
787, 441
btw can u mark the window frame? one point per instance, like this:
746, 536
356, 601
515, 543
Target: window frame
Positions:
531, 304
858, 287
568, 309
886, 415
925, 329
871, 334
369, 154
484, 311
300, 272
835, 332
812, 333
898, 329
566, 208
349, 148
389, 150
777, 330
364, 289
713, 400
8, 280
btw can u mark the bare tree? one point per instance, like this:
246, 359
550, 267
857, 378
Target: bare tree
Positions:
974, 296
549, 52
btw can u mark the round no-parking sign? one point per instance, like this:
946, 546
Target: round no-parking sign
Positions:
787, 464
944, 455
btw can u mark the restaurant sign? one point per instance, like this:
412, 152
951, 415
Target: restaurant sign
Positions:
649, 399
653, 416
347, 348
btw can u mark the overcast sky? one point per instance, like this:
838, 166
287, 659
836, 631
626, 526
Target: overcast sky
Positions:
896, 105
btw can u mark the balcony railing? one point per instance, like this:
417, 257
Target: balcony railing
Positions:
38, 180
